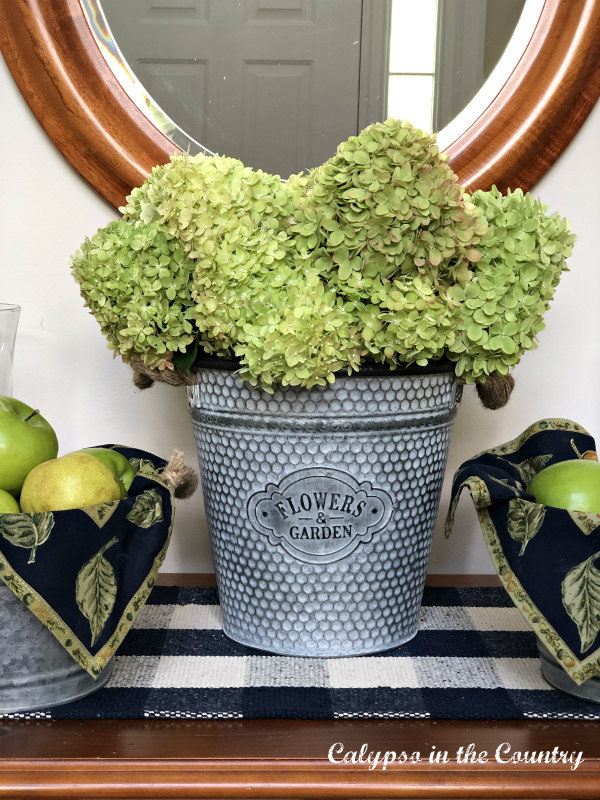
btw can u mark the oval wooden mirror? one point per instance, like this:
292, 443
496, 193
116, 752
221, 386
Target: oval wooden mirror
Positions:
70, 88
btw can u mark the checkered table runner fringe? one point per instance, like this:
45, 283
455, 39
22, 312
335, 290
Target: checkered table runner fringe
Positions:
473, 658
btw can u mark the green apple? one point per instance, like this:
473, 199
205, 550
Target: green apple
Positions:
116, 462
8, 504
26, 439
76, 480
573, 484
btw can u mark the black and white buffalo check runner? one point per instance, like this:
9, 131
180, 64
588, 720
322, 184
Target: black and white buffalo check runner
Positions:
473, 658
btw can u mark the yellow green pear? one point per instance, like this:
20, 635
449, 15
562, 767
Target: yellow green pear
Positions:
76, 480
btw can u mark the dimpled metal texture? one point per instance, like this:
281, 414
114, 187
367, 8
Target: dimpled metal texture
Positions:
35, 670
387, 434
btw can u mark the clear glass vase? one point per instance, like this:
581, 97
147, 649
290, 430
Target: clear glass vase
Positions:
9, 320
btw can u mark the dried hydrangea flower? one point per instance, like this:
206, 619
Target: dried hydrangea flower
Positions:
524, 253
136, 280
376, 255
390, 230
254, 296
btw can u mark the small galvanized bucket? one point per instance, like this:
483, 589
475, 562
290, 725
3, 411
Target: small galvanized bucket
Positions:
35, 670
321, 505
555, 675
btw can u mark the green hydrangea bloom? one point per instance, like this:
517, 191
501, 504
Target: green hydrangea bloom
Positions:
378, 254
135, 279
255, 294
390, 230
206, 200
501, 312
298, 336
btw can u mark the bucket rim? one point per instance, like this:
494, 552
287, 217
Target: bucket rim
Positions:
440, 366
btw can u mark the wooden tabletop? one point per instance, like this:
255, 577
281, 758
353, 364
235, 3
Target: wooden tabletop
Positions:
89, 759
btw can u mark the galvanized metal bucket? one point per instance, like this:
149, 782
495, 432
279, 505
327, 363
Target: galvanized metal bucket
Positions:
35, 670
321, 505
554, 674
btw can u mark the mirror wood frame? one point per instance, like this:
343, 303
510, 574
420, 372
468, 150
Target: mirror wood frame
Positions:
61, 73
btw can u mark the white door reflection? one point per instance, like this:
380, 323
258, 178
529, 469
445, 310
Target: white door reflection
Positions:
279, 83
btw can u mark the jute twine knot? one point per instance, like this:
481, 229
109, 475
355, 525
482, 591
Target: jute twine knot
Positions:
181, 480
496, 391
144, 376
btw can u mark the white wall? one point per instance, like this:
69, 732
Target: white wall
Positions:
63, 367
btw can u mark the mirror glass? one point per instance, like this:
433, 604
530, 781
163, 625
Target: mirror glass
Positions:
279, 83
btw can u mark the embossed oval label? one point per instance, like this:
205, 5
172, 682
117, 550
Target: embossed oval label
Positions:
319, 515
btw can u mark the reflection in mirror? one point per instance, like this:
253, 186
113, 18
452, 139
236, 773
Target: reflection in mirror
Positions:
441, 54
279, 83
106, 126
276, 83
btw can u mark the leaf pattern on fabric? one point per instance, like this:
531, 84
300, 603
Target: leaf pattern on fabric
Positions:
531, 466
507, 484
143, 466
96, 590
101, 513
581, 599
14, 583
534, 591
147, 509
524, 521
27, 530
68, 613
479, 494
586, 522
537, 427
